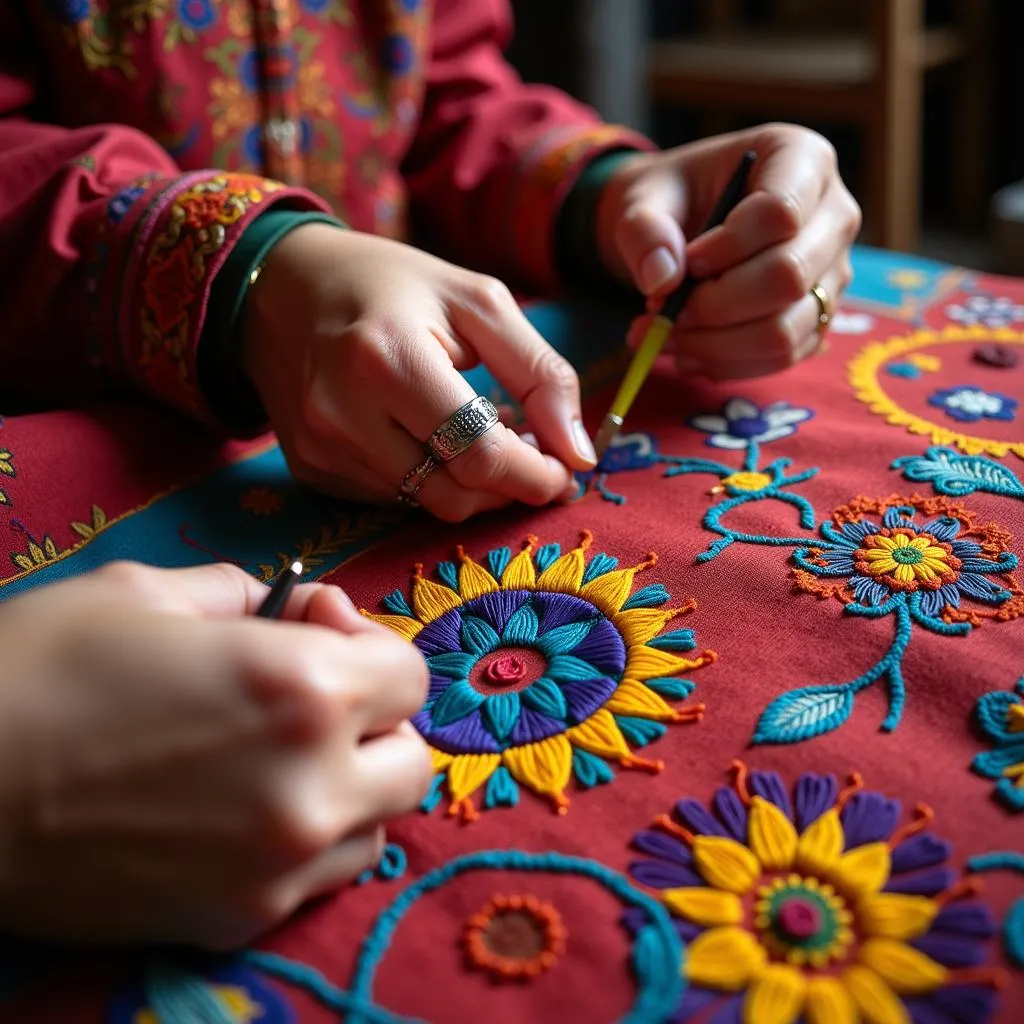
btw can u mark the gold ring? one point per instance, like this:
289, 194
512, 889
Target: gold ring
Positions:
824, 308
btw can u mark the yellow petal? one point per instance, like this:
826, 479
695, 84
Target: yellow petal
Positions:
923, 571
883, 565
1015, 718
638, 625
650, 663
545, 767
877, 554
725, 864
901, 540
828, 1002
474, 579
400, 624
863, 870
609, 591
707, 907
933, 553
903, 572
439, 759
892, 915
883, 543
724, 959
564, 575
821, 844
468, 772
771, 836
599, 735
520, 573
633, 698
878, 1004
905, 969
776, 996
431, 600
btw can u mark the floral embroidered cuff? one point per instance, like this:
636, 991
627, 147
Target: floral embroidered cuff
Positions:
550, 171
167, 240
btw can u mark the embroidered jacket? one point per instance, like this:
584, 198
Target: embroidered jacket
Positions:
139, 139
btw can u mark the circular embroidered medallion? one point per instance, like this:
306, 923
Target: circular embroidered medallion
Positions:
514, 938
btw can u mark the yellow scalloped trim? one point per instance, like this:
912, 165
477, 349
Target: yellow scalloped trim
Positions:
863, 376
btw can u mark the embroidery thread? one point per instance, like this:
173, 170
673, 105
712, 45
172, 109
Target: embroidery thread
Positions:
958, 475
741, 423
816, 904
1001, 717
544, 666
515, 938
626, 453
969, 404
985, 311
1013, 922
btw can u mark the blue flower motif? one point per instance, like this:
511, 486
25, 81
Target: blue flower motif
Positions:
1001, 716
968, 404
986, 310
625, 453
906, 370
742, 422
197, 14
120, 204
71, 12
398, 54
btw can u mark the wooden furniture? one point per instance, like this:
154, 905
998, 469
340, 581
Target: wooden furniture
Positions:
861, 64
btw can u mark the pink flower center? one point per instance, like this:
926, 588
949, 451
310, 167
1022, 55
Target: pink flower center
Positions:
799, 919
506, 668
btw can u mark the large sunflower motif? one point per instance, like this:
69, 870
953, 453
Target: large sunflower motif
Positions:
820, 908
544, 667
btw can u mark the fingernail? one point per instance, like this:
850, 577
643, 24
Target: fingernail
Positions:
531, 440
583, 444
657, 268
688, 367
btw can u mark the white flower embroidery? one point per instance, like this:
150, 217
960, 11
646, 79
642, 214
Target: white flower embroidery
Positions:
742, 422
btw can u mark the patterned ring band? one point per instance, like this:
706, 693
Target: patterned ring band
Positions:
414, 480
462, 428
824, 308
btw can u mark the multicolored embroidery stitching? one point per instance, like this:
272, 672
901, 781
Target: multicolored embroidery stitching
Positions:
864, 377
959, 475
515, 938
969, 404
741, 423
544, 667
985, 311
1001, 717
1013, 922
6, 469
626, 453
817, 906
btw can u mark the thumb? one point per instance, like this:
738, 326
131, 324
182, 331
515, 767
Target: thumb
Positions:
649, 237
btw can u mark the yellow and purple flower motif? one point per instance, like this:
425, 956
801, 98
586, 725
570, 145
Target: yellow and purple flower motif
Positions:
1001, 716
544, 667
818, 907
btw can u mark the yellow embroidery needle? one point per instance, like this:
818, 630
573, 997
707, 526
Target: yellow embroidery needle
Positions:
661, 326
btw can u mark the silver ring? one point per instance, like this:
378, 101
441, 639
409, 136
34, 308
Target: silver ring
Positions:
414, 480
462, 428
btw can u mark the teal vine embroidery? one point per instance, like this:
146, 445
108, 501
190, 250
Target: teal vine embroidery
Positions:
957, 475
1013, 923
879, 561
1001, 717
392, 865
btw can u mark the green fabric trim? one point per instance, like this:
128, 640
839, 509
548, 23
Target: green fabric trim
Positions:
576, 251
227, 389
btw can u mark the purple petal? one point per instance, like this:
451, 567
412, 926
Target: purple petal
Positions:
467, 736
922, 850
442, 635
893, 517
869, 817
730, 1013
932, 602
730, 808
659, 844
949, 594
603, 648
532, 726
498, 606
960, 1004
975, 585
556, 610
858, 530
950, 950
694, 1000
966, 548
815, 794
633, 919
943, 528
869, 591
656, 874
697, 818
769, 786
584, 698
922, 883
438, 684
965, 917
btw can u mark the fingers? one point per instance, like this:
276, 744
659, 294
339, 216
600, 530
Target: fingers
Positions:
335, 867
545, 384
393, 773
759, 347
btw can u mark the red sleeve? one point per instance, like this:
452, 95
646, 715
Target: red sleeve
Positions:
107, 251
494, 158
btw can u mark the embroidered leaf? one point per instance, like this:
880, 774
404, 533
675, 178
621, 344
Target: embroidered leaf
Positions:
453, 664
497, 560
640, 731
956, 475
801, 714
455, 704
679, 640
521, 628
478, 636
174, 994
546, 697
671, 689
395, 602
1013, 934
502, 790
589, 769
500, 713
547, 554
449, 574
4, 500
648, 597
599, 565
6, 467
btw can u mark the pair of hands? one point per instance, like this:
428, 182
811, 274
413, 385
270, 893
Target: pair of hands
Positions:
355, 343
173, 769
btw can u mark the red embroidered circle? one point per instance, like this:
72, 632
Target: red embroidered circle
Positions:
508, 669
514, 938
799, 919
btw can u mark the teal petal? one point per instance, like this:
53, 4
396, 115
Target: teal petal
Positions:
564, 668
649, 597
993, 711
547, 554
545, 696
992, 763
521, 629
639, 731
457, 702
502, 790
396, 603
500, 713
598, 566
434, 794
497, 561
671, 689
449, 575
453, 664
565, 638
678, 640
478, 637
590, 770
